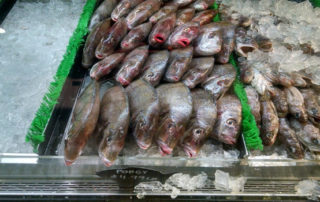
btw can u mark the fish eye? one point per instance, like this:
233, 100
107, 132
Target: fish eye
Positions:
315, 141
231, 122
109, 139
297, 115
198, 131
150, 75
170, 125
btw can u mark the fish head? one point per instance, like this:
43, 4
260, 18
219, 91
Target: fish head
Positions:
312, 135
269, 137
246, 75
152, 77
228, 127
104, 48
72, 150
194, 140
142, 132
299, 112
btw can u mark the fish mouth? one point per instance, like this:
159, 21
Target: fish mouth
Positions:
184, 42
159, 38
106, 161
68, 162
189, 151
229, 140
143, 145
164, 149
123, 81
99, 55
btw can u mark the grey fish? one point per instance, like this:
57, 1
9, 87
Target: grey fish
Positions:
312, 106
254, 103
228, 41
201, 5
270, 122
246, 74
123, 8
296, 103
183, 3
163, 12
244, 43
279, 100
298, 80
102, 12
184, 16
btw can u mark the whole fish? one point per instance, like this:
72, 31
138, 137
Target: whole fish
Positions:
199, 70
279, 100
102, 12
200, 126
228, 41
112, 38
307, 133
205, 17
155, 67
220, 80
176, 108
209, 41
162, 30
184, 16
183, 35
298, 80
123, 8
246, 74
142, 12
132, 65
163, 12
296, 103
261, 84
229, 119
83, 122
105, 66
312, 106
183, 3
244, 43
270, 122
264, 43
144, 110
179, 62
288, 138
93, 40
201, 5
113, 124
136, 37
254, 103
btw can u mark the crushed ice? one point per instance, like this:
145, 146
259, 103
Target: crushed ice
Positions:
224, 182
308, 187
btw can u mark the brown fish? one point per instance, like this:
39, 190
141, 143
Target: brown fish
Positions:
84, 119
220, 80
244, 43
229, 119
184, 16
200, 126
254, 103
176, 108
179, 62
201, 5
183, 35
298, 80
144, 110
270, 122
132, 65
296, 103
112, 38
105, 66
163, 12
264, 43
279, 100
123, 8
113, 124
288, 138
102, 12
228, 41
183, 3
199, 70
93, 41
246, 74
205, 17
312, 106
155, 67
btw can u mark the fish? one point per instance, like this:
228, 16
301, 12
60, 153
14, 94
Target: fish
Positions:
132, 65
261, 84
200, 126
235, 18
264, 43
244, 43
183, 3
201, 5
209, 41
112, 38
136, 37
312, 105
298, 80
113, 124
254, 103
307, 133
279, 100
175, 110
105, 66
144, 110
220, 80
246, 74
183, 35
83, 122
228, 41
296, 103
162, 30
178, 64
288, 138
199, 70
184, 16
228, 124
205, 17
92, 41
269, 122
155, 67
163, 12
142, 12
123, 8
102, 12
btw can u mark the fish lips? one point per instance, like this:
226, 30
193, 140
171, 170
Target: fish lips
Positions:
164, 148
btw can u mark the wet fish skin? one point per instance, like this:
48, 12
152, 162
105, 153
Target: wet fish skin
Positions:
296, 103
254, 103
201, 5
105, 66
287, 137
246, 74
200, 126
142, 12
261, 84
183, 35
264, 43
279, 100
178, 64
184, 16
298, 80
84, 119
136, 37
270, 122
244, 43
220, 80
166, 10
112, 38
176, 108
93, 41
123, 8
113, 124
144, 110
199, 70
285, 79
228, 41
102, 12
183, 3
205, 17
229, 119
132, 65
312, 106
155, 67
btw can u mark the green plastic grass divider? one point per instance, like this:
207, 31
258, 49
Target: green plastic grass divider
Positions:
250, 129
315, 3
35, 134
